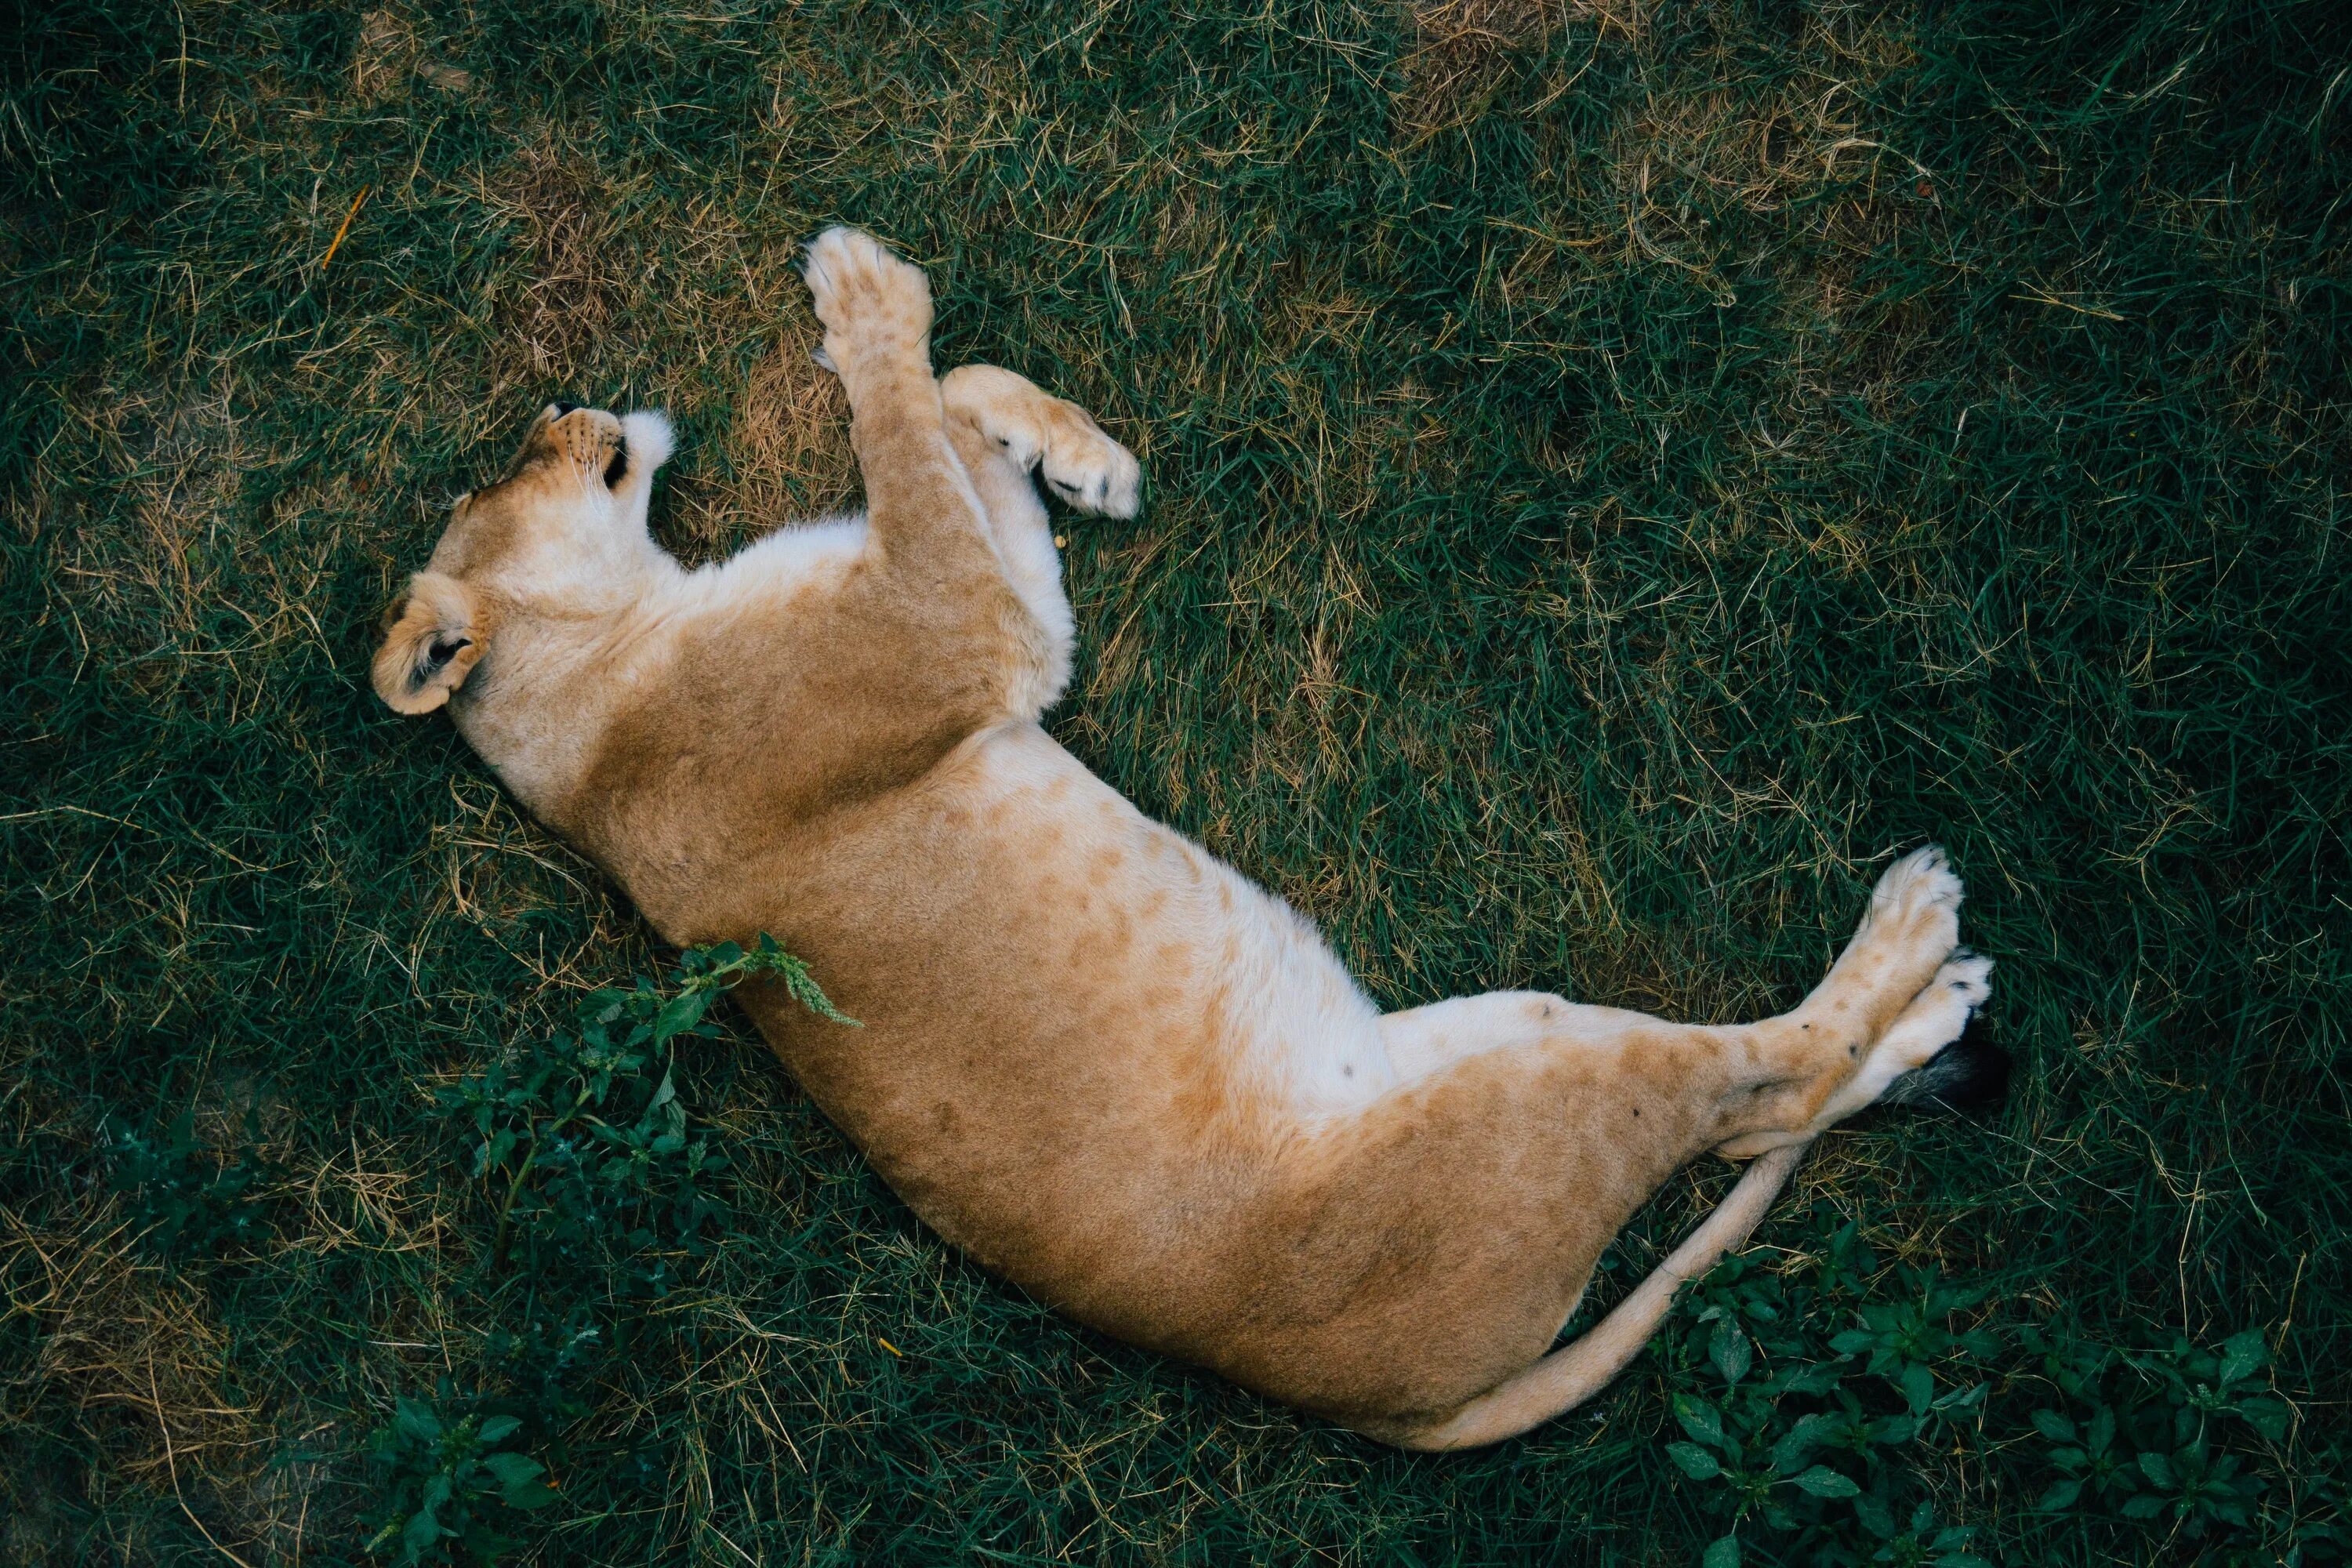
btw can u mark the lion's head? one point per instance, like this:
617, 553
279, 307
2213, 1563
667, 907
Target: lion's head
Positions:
566, 524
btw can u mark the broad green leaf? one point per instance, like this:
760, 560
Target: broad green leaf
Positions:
1723, 1554
499, 1428
1701, 1420
2143, 1505
1919, 1387
681, 1012
1890, 1429
2243, 1356
1790, 1454
1818, 1378
513, 1469
420, 1535
415, 1421
2061, 1497
528, 1495
1694, 1461
1730, 1352
2271, 1417
1822, 1481
520, 1480
1959, 1399
2054, 1426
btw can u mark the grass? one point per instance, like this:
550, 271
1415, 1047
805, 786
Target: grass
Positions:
1617, 474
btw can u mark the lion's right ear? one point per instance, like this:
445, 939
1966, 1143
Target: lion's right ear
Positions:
432, 639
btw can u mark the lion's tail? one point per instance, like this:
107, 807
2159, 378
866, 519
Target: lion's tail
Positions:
1575, 1372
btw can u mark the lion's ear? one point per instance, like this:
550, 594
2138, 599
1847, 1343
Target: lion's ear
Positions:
433, 639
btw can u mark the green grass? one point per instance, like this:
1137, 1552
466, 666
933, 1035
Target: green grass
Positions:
1608, 489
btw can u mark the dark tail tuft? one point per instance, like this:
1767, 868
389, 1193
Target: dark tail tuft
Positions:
1970, 1076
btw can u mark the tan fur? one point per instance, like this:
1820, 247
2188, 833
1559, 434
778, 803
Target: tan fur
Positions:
1094, 1057
430, 645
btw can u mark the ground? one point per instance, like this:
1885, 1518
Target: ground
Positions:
1616, 475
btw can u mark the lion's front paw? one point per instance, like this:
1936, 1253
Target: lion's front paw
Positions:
869, 301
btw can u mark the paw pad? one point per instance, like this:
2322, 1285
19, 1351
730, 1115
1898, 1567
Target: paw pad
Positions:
863, 294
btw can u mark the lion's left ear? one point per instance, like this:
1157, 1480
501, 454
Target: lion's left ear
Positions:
433, 640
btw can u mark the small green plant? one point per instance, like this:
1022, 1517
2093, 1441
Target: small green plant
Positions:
597, 1181
2145, 1438
1809, 1400
1799, 1432
449, 1478
189, 1203
584, 1143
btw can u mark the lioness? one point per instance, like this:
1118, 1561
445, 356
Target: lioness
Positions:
1094, 1057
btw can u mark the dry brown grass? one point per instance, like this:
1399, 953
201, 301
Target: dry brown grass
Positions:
391, 54
1464, 51
181, 457
137, 1352
786, 455
563, 208
1462, 56
384, 57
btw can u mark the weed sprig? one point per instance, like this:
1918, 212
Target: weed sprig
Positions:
586, 1140
587, 1153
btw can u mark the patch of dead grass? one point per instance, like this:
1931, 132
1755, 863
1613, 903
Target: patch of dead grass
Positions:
1464, 51
138, 1354
182, 455
787, 454
564, 207
1462, 55
391, 55
384, 57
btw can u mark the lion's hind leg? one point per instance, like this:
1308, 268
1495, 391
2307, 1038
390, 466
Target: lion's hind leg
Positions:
1523, 1130
1423, 1041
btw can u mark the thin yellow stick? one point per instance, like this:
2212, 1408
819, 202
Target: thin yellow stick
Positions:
336, 244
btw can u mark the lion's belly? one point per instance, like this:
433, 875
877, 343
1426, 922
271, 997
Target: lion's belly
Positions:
1085, 1040
1159, 952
